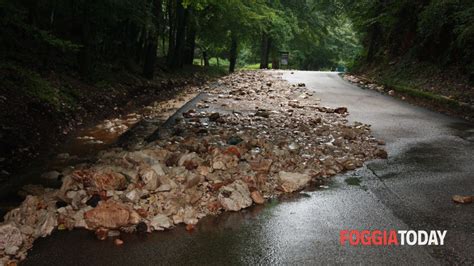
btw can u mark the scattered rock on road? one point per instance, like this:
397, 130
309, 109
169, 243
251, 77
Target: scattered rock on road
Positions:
264, 137
257, 197
235, 196
118, 242
463, 199
291, 182
110, 214
10, 236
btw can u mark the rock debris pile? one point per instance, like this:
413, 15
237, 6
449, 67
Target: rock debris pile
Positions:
365, 83
253, 137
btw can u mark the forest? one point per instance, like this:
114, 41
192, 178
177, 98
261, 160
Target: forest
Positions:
145, 35
139, 35
59, 60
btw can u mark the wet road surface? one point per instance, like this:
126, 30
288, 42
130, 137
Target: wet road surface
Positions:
430, 159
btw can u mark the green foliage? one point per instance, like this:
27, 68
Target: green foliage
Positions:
61, 44
29, 83
317, 33
420, 94
253, 67
353, 181
437, 31
213, 61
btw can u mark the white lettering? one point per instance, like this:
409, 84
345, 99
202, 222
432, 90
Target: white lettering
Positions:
422, 238
402, 237
441, 235
433, 239
411, 238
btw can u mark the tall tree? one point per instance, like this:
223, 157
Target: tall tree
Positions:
151, 46
265, 51
233, 52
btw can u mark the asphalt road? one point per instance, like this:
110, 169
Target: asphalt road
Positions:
430, 159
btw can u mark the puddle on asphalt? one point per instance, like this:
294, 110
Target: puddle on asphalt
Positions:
463, 130
436, 156
211, 230
353, 181
224, 222
428, 155
419, 157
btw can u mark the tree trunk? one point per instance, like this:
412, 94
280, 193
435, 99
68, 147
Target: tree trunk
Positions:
375, 31
233, 53
32, 11
275, 61
152, 44
265, 51
150, 59
190, 41
85, 55
130, 52
177, 60
163, 43
172, 33
373, 40
205, 57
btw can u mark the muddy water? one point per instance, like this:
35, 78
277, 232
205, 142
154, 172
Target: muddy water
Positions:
90, 141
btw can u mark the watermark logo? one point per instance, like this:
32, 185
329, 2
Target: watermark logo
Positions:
392, 237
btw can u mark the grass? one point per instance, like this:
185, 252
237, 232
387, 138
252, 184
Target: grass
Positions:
251, 67
213, 62
225, 64
254, 66
353, 181
30, 84
414, 92
418, 81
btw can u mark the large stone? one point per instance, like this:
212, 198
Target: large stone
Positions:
11, 250
10, 236
293, 181
164, 188
218, 165
158, 168
463, 199
69, 183
78, 217
261, 165
161, 222
109, 214
235, 196
190, 161
222, 161
46, 222
190, 215
150, 179
102, 179
133, 195
257, 197
149, 156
